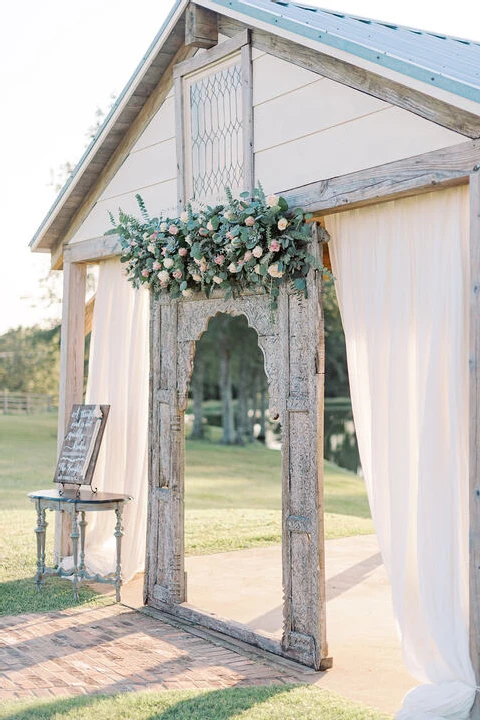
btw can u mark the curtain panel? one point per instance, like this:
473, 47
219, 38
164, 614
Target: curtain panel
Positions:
401, 272
118, 375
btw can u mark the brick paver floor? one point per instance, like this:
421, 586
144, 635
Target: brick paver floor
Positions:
116, 649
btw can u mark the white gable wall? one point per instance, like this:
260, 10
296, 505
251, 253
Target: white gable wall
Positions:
309, 128
306, 128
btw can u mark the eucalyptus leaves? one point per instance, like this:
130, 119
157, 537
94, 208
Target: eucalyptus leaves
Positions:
250, 242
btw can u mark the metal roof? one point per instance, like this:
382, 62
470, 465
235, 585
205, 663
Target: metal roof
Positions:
445, 62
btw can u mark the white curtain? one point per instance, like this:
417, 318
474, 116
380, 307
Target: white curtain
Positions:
118, 376
401, 272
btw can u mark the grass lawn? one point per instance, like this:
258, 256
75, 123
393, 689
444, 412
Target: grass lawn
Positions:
278, 702
233, 501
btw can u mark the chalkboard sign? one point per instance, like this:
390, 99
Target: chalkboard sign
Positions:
81, 444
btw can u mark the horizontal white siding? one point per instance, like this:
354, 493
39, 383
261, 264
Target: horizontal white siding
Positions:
308, 128
150, 170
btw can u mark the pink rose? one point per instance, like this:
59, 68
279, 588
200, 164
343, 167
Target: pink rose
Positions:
173, 230
250, 220
257, 251
164, 251
282, 223
220, 259
229, 235
182, 252
154, 235
248, 256
177, 274
274, 246
203, 266
156, 265
203, 232
145, 272
196, 277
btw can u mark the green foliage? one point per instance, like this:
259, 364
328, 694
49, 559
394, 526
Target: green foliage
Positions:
336, 372
249, 242
272, 702
30, 360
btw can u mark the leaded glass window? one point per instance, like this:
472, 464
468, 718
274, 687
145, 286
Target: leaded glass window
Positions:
214, 137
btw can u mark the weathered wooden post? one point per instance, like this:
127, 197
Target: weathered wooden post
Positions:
474, 435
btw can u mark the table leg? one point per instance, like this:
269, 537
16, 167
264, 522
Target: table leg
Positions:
40, 531
83, 525
75, 534
118, 537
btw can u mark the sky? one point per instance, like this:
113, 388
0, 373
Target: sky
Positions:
62, 60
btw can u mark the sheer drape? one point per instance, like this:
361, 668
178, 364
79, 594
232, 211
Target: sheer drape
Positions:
118, 376
401, 273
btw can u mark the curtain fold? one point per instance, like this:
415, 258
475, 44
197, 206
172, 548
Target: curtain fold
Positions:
118, 375
401, 272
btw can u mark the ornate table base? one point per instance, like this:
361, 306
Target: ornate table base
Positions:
78, 505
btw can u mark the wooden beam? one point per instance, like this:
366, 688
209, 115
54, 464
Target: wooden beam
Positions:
247, 119
93, 250
180, 144
219, 52
72, 354
430, 108
474, 434
201, 29
402, 178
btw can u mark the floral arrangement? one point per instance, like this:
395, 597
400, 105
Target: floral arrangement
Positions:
254, 241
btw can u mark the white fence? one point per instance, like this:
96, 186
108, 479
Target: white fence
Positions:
17, 402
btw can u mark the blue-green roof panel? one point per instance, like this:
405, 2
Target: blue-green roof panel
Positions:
449, 63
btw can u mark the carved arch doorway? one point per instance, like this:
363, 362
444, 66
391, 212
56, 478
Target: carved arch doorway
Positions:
291, 339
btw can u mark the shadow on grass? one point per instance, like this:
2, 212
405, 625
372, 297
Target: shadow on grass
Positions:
21, 596
167, 705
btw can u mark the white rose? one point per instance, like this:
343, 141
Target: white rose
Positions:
257, 251
188, 239
163, 227
184, 217
257, 269
273, 271
164, 277
217, 280
169, 262
282, 223
188, 292
272, 200
232, 268
196, 277
228, 215
151, 248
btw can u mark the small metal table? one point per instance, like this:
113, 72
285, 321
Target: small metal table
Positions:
78, 502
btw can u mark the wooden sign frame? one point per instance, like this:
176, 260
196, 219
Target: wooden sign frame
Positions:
81, 445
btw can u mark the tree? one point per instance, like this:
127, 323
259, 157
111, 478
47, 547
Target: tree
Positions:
30, 359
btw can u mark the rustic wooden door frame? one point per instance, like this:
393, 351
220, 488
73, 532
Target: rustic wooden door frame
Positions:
291, 339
